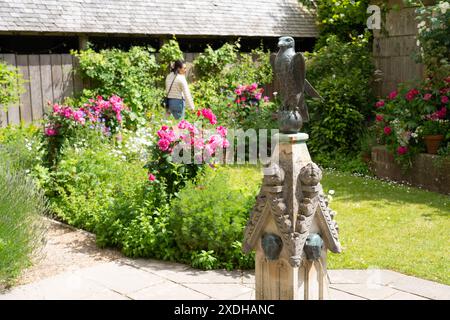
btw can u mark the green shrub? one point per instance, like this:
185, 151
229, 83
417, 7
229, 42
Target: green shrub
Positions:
22, 143
208, 219
132, 75
168, 53
342, 73
21, 226
90, 181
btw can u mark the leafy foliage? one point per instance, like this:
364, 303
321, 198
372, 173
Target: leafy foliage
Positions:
343, 18
11, 85
209, 217
132, 75
342, 73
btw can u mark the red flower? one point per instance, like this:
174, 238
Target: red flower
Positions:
379, 104
387, 130
401, 150
151, 177
379, 117
444, 99
411, 94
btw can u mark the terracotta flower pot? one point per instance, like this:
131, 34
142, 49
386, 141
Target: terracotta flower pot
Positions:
433, 142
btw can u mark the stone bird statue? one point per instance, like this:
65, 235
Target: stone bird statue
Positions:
290, 71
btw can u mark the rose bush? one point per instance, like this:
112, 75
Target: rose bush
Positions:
64, 123
180, 151
408, 114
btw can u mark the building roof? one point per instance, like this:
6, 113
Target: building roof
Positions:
264, 18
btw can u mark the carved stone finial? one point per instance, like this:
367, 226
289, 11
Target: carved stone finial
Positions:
310, 174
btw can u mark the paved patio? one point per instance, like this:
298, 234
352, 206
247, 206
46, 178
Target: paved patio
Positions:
73, 267
150, 279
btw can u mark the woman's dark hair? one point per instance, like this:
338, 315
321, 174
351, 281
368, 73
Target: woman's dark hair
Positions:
178, 64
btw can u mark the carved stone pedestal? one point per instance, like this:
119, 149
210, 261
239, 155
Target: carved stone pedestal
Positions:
291, 226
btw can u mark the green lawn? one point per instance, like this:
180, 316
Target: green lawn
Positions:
384, 225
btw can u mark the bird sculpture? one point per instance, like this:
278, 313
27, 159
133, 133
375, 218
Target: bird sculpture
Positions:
290, 72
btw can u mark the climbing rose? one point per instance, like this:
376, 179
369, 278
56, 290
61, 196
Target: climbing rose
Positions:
387, 130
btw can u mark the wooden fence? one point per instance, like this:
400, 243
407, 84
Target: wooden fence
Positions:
48, 78
51, 78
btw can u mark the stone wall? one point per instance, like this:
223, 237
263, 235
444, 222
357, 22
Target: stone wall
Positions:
393, 49
429, 171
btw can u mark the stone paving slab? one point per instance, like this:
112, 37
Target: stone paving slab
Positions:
168, 290
92, 273
150, 279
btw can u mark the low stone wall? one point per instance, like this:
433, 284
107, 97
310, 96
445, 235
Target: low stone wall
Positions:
429, 171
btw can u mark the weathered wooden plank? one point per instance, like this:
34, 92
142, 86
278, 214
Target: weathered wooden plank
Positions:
57, 77
13, 109
46, 80
67, 76
77, 80
26, 114
35, 87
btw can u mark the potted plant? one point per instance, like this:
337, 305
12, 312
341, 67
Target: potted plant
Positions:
433, 134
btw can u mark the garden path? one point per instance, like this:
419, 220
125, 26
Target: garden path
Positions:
72, 267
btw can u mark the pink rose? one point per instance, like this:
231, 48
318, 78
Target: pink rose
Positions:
183, 124
411, 94
164, 127
163, 144
50, 132
258, 96
199, 144
387, 130
427, 96
225, 143
238, 92
379, 117
119, 117
222, 131
56, 108
266, 99
393, 95
151, 177
444, 99
379, 104
401, 150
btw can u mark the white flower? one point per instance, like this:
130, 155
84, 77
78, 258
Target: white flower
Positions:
331, 192
443, 5
421, 25
418, 43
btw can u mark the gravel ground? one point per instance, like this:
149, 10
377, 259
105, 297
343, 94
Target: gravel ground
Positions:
66, 249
